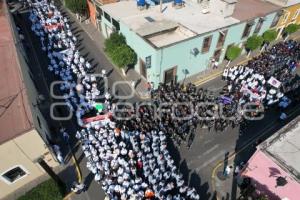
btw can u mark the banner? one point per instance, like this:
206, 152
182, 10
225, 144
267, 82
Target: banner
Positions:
53, 26
97, 118
274, 82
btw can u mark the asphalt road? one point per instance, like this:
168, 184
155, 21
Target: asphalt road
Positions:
196, 163
38, 63
210, 148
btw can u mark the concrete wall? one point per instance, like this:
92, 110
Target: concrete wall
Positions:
24, 151
92, 12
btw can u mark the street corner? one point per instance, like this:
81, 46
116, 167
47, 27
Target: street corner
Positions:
69, 196
222, 178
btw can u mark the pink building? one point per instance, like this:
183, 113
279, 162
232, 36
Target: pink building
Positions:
275, 166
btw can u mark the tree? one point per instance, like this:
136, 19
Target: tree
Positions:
269, 36
120, 53
263, 197
254, 42
233, 52
77, 6
123, 56
292, 28
113, 42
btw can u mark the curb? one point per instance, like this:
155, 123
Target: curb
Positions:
107, 57
232, 155
216, 74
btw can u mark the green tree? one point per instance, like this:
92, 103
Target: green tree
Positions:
269, 36
48, 190
123, 56
113, 42
233, 52
263, 197
292, 28
254, 42
77, 6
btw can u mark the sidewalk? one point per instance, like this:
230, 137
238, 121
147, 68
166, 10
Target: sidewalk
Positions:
210, 74
198, 79
131, 75
222, 185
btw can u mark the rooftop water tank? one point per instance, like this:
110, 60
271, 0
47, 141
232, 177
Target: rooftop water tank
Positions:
178, 2
140, 2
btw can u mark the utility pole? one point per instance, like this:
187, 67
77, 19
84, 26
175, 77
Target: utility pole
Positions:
160, 3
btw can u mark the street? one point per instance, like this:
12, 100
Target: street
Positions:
197, 164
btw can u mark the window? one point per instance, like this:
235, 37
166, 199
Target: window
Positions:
275, 20
14, 174
206, 44
296, 14
99, 12
259, 25
116, 24
247, 29
222, 37
107, 17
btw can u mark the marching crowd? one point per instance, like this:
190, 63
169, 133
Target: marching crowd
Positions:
130, 157
129, 164
266, 78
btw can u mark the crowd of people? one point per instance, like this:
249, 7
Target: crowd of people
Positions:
129, 164
266, 78
249, 90
130, 158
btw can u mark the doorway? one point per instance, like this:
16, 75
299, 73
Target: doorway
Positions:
170, 75
217, 55
143, 69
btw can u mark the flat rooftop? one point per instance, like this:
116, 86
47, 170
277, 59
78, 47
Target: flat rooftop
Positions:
264, 172
284, 147
249, 9
189, 18
285, 3
15, 114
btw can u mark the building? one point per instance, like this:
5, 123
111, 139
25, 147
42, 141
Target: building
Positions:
176, 42
274, 169
290, 14
23, 140
95, 11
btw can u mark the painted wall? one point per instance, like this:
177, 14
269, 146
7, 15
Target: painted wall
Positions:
179, 54
290, 16
106, 26
20, 151
92, 12
143, 49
